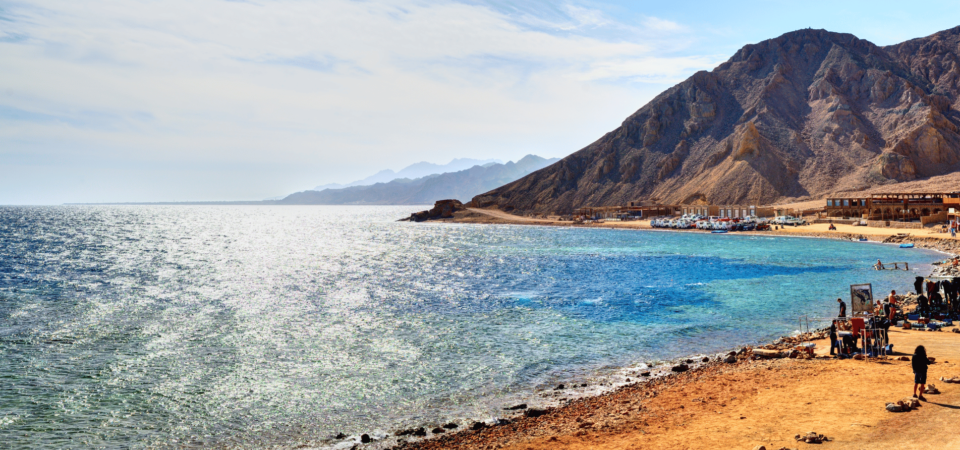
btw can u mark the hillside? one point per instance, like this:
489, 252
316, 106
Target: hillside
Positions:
413, 171
792, 118
461, 185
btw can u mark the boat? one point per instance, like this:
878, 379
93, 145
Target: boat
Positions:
724, 231
862, 239
906, 245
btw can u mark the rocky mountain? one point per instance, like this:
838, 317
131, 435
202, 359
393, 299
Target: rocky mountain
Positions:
413, 171
796, 117
461, 185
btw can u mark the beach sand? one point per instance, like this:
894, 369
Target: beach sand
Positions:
751, 403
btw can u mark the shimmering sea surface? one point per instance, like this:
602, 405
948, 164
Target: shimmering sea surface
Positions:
254, 327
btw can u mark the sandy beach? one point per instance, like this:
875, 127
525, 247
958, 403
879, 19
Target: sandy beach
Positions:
750, 403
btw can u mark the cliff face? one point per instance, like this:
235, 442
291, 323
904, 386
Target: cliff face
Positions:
802, 115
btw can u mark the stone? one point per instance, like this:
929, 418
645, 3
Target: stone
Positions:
478, 426
340, 436
364, 438
893, 407
689, 361
760, 447
450, 426
533, 412
438, 430
705, 359
680, 368
642, 374
560, 387
517, 407
420, 432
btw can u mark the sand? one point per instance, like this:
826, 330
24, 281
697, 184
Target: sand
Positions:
751, 403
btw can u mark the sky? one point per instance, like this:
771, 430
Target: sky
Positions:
194, 100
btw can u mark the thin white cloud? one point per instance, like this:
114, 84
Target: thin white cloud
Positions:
317, 84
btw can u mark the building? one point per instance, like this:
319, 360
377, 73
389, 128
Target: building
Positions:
733, 211
951, 202
634, 210
887, 206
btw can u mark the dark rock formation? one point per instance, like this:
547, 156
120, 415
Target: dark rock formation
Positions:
443, 209
802, 115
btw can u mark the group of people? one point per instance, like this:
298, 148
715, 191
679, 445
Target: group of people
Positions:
878, 337
929, 297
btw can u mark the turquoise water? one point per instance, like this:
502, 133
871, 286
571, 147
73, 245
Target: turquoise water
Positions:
131, 327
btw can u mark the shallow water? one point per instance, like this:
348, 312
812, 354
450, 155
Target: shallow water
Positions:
253, 327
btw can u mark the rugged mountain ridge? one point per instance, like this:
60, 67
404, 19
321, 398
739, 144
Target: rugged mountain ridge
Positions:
461, 185
808, 113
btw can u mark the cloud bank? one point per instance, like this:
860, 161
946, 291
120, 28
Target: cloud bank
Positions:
214, 99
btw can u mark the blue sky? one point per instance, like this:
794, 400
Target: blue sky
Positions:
237, 100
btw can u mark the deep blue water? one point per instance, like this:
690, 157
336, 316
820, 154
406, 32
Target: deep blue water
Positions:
131, 327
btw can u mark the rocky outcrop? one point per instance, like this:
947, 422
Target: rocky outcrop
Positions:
803, 115
443, 209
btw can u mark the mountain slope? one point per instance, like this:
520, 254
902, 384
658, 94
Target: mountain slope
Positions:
799, 116
418, 170
460, 185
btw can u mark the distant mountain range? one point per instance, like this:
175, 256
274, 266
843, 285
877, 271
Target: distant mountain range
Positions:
461, 185
418, 170
797, 117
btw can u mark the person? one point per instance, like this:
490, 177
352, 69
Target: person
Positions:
834, 343
918, 285
843, 309
832, 228
878, 265
892, 299
920, 363
922, 305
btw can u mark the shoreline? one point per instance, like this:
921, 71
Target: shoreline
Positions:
510, 429
920, 238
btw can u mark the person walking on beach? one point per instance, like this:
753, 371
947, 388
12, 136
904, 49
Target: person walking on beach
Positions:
834, 343
843, 309
920, 364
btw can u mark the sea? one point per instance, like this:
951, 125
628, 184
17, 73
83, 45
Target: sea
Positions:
284, 326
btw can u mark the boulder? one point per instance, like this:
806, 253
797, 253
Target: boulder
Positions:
438, 430
450, 426
533, 412
443, 209
730, 359
680, 368
364, 438
517, 407
767, 354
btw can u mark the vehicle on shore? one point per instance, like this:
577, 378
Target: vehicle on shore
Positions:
713, 223
789, 220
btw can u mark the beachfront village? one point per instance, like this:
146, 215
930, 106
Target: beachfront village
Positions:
880, 210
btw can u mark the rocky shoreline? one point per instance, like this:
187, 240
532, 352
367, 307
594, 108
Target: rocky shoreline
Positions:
523, 415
